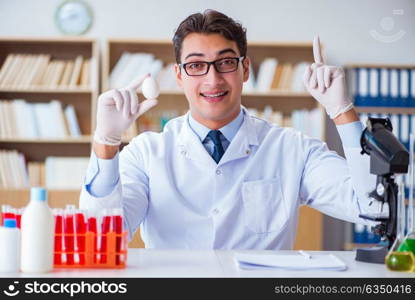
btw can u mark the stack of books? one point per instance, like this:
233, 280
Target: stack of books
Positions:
21, 119
306, 121
30, 71
65, 172
388, 87
54, 173
13, 172
135, 65
279, 76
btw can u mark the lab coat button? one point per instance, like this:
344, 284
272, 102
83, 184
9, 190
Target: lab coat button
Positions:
218, 172
183, 152
215, 211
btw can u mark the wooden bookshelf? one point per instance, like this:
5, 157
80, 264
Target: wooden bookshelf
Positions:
38, 149
81, 97
310, 229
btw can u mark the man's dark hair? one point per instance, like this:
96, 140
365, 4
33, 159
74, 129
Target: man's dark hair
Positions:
210, 21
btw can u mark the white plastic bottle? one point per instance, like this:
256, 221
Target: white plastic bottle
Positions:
9, 246
37, 229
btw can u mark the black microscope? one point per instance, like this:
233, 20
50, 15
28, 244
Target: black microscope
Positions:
387, 158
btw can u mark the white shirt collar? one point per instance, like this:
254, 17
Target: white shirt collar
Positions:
229, 130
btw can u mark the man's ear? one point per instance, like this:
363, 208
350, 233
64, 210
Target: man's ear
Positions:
246, 63
178, 75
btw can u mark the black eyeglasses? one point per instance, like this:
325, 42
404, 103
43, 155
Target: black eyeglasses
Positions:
223, 65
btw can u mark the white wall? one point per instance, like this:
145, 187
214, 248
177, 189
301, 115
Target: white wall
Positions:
343, 25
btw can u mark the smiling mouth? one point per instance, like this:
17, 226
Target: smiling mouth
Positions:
216, 97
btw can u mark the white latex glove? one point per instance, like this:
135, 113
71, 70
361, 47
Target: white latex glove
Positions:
117, 110
327, 84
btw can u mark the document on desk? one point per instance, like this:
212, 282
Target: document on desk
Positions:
295, 262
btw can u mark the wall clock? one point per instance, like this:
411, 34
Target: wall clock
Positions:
73, 17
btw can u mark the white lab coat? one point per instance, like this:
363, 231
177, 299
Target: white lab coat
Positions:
171, 187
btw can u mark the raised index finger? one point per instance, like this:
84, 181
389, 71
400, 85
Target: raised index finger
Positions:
318, 58
135, 83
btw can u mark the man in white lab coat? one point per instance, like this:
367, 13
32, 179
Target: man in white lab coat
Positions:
218, 177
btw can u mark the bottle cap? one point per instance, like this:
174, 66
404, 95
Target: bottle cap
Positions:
38, 194
10, 223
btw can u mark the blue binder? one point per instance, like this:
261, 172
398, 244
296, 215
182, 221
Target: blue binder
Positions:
404, 95
411, 100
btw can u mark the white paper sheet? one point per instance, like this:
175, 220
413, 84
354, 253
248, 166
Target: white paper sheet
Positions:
289, 262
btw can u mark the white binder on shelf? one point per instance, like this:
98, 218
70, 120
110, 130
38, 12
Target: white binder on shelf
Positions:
394, 87
362, 86
373, 86
384, 86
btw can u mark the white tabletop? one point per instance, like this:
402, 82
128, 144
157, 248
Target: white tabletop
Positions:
212, 263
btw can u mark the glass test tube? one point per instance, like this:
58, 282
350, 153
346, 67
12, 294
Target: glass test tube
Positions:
80, 231
69, 233
92, 227
58, 246
117, 219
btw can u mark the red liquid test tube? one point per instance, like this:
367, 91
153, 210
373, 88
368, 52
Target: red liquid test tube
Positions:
69, 230
117, 228
105, 228
58, 247
19, 213
80, 231
92, 227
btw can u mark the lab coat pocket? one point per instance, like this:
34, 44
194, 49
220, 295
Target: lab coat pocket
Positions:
264, 206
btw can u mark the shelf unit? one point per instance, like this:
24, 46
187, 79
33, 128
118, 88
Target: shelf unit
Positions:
83, 99
379, 109
310, 225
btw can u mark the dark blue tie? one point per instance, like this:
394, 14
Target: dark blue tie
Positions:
218, 149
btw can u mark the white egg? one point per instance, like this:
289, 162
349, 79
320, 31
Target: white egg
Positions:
150, 88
